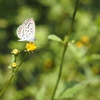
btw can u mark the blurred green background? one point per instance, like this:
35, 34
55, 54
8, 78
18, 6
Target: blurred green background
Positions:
37, 76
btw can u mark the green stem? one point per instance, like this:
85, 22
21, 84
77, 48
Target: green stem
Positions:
73, 18
60, 70
21, 62
65, 48
6, 85
15, 58
3, 90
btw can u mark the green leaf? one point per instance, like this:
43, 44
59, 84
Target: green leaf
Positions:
68, 85
94, 57
9, 66
70, 91
54, 38
41, 93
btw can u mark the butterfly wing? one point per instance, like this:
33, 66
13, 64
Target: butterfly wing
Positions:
26, 31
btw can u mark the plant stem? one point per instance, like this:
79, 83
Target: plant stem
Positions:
60, 70
73, 18
65, 48
21, 62
13, 74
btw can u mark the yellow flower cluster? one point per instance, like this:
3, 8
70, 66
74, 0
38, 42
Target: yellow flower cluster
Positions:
14, 65
84, 41
15, 51
79, 44
30, 46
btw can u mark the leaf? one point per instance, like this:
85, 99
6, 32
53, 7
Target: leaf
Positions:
54, 38
9, 66
68, 85
41, 93
73, 90
94, 57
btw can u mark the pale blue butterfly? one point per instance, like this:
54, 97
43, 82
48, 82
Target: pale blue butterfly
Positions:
26, 31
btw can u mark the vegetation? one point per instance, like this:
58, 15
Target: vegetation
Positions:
66, 62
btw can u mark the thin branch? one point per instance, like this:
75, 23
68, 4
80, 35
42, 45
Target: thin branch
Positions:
13, 74
65, 48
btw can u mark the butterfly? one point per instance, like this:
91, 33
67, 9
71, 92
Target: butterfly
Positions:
26, 31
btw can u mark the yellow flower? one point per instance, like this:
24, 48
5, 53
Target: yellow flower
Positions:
79, 44
15, 51
30, 46
85, 39
14, 65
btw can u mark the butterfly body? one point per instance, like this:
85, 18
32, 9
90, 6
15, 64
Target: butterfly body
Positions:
26, 31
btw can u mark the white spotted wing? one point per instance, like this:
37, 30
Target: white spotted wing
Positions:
26, 31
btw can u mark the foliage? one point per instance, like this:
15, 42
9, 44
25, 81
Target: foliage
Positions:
36, 78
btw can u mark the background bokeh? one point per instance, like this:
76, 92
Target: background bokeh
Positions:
37, 76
